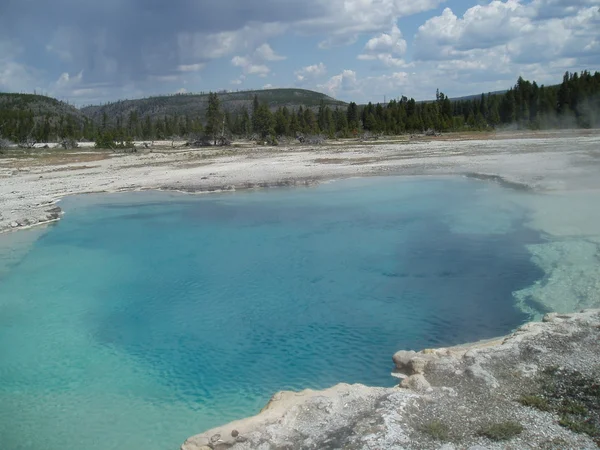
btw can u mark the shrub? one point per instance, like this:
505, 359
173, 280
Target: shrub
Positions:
577, 425
69, 143
502, 431
535, 401
5, 143
436, 430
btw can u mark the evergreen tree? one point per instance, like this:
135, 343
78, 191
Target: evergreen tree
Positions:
341, 122
310, 122
353, 117
281, 123
255, 107
263, 121
214, 117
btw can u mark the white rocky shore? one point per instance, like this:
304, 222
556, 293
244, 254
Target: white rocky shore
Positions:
447, 400
32, 183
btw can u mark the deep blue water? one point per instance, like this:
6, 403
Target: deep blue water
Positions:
143, 318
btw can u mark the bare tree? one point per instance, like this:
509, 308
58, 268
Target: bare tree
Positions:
69, 143
5, 143
28, 142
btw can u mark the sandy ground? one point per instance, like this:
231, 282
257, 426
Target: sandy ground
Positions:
31, 183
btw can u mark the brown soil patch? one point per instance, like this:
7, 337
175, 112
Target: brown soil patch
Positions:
51, 159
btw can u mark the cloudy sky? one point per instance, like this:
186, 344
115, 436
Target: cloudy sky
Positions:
91, 51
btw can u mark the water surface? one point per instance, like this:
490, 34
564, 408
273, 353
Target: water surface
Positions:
143, 318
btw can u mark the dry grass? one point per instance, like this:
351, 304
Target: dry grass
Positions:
29, 159
502, 431
352, 161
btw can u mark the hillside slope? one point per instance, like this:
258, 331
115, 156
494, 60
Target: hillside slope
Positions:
39, 104
31, 117
195, 105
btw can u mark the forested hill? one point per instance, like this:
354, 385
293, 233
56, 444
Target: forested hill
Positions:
195, 105
575, 102
30, 117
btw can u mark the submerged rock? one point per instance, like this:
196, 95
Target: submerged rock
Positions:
449, 398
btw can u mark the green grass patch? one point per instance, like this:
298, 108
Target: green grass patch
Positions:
572, 407
579, 426
436, 430
575, 397
535, 401
502, 431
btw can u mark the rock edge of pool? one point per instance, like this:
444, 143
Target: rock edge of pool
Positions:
477, 396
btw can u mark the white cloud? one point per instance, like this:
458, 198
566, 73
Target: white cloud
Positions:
239, 80
181, 37
386, 48
310, 73
203, 46
249, 67
15, 76
387, 43
345, 82
349, 85
344, 20
486, 48
266, 53
254, 63
520, 29
390, 84
191, 67
66, 80
338, 41
492, 44
386, 60
164, 78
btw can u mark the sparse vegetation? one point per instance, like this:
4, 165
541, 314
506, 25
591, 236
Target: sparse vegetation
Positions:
572, 407
5, 143
573, 396
437, 430
579, 426
502, 431
68, 144
106, 141
535, 401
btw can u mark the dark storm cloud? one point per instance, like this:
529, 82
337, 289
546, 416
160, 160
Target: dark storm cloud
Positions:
162, 16
136, 38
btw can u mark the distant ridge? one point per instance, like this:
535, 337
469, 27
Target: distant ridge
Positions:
195, 105
40, 105
477, 96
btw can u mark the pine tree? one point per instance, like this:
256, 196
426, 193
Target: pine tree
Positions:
353, 117
214, 117
281, 123
263, 121
255, 107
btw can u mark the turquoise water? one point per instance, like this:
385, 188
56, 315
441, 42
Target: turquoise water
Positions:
143, 318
